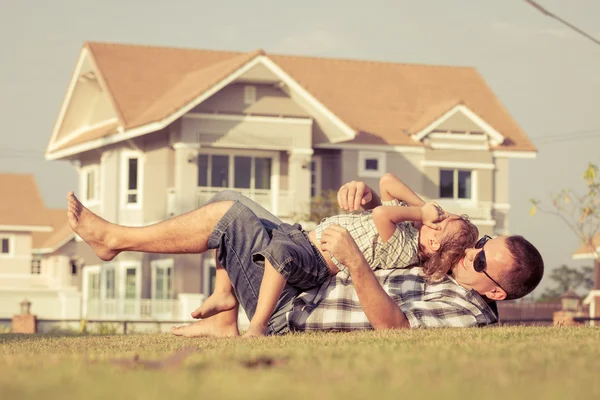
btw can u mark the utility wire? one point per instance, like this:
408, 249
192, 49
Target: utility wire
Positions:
559, 19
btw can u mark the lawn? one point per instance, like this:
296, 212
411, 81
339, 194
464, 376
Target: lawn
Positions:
503, 363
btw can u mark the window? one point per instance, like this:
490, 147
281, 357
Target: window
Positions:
5, 246
73, 267
456, 184
131, 283
162, 278
132, 175
249, 94
36, 266
371, 164
90, 183
110, 283
239, 172
315, 176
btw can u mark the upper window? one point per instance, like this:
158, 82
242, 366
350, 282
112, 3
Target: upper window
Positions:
371, 164
249, 94
36, 265
90, 183
132, 178
239, 172
456, 184
5, 246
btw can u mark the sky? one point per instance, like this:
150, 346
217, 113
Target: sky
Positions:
545, 74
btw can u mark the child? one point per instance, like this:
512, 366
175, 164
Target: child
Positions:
390, 236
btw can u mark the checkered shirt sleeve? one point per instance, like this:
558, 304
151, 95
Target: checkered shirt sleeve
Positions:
335, 305
400, 251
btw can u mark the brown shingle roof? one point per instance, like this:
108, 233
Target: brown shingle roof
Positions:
384, 102
57, 219
21, 205
21, 202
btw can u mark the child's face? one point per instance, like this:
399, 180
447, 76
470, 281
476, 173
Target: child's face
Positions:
430, 239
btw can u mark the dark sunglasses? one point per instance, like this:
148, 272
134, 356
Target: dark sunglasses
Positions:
480, 263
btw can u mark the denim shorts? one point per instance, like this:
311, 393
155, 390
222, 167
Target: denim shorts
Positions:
244, 230
294, 256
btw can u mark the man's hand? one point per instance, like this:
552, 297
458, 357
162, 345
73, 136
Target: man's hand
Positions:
338, 242
433, 214
353, 195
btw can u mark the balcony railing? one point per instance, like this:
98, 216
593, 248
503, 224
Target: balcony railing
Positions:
133, 309
281, 204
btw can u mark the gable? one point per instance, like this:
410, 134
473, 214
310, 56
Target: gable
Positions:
459, 128
87, 106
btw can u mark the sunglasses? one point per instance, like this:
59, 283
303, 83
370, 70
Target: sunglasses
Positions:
480, 263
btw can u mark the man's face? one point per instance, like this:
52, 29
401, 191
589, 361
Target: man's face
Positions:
499, 261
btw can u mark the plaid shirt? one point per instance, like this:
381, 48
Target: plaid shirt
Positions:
334, 305
400, 251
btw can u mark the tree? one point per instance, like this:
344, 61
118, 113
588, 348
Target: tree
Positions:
581, 213
565, 278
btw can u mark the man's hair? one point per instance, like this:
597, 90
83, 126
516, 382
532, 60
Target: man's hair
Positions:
527, 270
452, 249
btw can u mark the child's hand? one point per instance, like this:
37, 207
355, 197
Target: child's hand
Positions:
433, 214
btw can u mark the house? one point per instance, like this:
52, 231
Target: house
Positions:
155, 132
38, 261
591, 252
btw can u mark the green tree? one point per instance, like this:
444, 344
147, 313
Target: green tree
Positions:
565, 278
580, 212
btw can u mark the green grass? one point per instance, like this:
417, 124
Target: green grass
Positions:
502, 363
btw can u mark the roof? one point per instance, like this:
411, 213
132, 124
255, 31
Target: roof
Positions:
61, 231
21, 205
384, 102
586, 249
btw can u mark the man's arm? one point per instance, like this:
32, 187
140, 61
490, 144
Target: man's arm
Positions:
381, 310
354, 195
392, 188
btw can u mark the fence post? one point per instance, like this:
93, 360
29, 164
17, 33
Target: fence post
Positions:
124, 327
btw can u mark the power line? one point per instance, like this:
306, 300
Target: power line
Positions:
559, 19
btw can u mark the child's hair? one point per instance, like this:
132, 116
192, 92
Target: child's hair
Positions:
452, 249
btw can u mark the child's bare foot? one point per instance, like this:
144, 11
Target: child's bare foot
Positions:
254, 332
90, 227
216, 303
215, 327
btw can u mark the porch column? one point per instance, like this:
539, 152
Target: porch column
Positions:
186, 176
299, 184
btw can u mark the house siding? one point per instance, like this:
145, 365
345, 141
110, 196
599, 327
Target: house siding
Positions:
20, 261
269, 101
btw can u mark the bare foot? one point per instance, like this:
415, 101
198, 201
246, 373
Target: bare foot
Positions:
254, 332
90, 227
216, 303
211, 327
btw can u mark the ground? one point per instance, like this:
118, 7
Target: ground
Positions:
503, 363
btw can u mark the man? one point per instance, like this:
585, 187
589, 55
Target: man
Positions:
236, 228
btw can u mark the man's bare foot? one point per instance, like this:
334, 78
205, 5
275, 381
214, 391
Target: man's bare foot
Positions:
216, 303
254, 332
210, 327
90, 227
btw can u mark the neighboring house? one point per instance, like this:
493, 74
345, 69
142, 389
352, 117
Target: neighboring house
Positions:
154, 132
591, 252
37, 260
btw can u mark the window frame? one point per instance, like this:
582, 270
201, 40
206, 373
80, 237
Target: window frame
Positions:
273, 156
455, 186
11, 246
165, 264
125, 191
84, 174
380, 156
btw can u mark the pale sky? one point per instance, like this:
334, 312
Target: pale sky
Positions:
546, 75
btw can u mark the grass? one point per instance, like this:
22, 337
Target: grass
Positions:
503, 363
